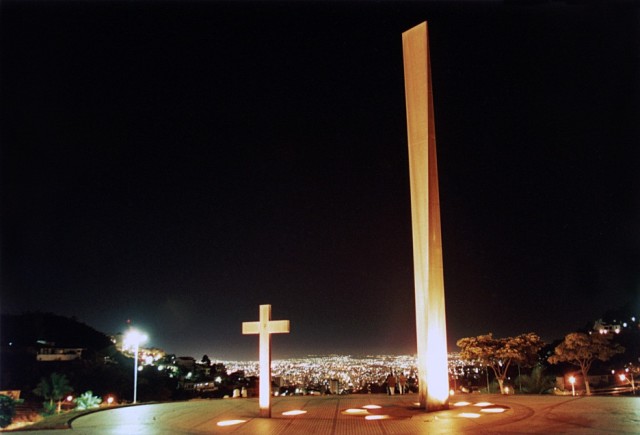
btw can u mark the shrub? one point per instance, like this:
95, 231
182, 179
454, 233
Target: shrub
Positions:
7, 410
49, 408
87, 401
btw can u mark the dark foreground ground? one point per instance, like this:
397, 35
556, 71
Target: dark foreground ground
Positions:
482, 414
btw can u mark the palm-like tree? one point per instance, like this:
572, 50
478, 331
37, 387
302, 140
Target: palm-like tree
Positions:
538, 382
54, 388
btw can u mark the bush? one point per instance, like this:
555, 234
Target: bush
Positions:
49, 408
7, 410
87, 401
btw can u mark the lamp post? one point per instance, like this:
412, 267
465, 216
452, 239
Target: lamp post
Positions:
623, 377
633, 385
487, 372
135, 338
572, 381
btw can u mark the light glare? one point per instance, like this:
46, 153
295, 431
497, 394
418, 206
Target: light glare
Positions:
493, 410
294, 412
355, 411
229, 422
469, 415
436, 359
376, 417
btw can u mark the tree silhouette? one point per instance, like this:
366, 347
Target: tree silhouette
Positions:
53, 389
500, 353
582, 350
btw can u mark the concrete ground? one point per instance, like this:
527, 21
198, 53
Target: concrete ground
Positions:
336, 415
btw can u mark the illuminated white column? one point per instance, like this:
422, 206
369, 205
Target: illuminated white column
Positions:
425, 216
134, 338
265, 327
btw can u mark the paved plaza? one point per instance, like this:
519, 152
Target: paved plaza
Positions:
370, 414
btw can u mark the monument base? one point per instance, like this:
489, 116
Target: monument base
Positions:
265, 413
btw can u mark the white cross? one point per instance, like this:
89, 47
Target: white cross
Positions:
265, 327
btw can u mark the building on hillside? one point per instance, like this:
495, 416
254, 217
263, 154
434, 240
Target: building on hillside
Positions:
59, 354
606, 328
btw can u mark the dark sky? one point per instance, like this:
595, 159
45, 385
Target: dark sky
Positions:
180, 163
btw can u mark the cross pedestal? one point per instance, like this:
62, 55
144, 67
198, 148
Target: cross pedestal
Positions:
265, 327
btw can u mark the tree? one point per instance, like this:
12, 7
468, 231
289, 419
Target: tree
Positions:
7, 410
205, 360
581, 349
500, 353
537, 382
53, 389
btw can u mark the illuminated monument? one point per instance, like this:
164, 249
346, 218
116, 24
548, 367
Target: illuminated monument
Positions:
425, 217
265, 327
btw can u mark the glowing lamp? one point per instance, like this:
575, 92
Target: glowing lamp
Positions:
572, 381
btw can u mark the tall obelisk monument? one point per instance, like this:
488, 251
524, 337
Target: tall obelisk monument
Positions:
425, 215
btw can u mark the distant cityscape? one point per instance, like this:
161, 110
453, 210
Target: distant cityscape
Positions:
338, 374
36, 345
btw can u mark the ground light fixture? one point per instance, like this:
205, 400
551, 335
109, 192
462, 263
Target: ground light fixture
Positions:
377, 417
229, 422
355, 411
294, 412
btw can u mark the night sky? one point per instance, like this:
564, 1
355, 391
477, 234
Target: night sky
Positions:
179, 163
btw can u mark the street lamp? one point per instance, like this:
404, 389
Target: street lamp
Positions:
572, 381
134, 338
623, 378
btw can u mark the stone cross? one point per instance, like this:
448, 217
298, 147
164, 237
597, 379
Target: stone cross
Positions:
265, 327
